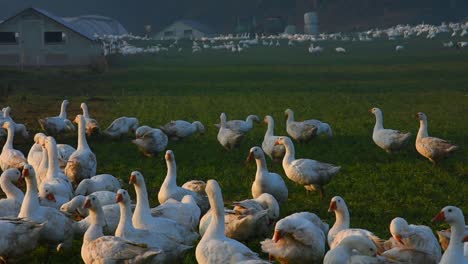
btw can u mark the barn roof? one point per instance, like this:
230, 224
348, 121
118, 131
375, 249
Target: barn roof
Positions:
196, 25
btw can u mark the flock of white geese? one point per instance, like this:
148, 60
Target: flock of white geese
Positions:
65, 199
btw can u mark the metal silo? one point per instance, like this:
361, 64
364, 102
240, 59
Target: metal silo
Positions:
311, 23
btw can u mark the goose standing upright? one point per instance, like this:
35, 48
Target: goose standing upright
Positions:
169, 188
58, 229
276, 153
388, 139
341, 228
19, 129
228, 138
434, 149
97, 248
57, 124
314, 175
92, 126
241, 125
35, 153
10, 157
266, 182
121, 127
180, 129
82, 163
11, 205
454, 217
215, 247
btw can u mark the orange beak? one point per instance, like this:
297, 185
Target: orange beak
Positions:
416, 116
277, 143
25, 173
87, 204
439, 217
132, 179
276, 236
465, 239
332, 206
250, 157
370, 110
168, 156
51, 197
399, 239
119, 198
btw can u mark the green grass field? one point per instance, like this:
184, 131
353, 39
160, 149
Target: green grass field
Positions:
338, 89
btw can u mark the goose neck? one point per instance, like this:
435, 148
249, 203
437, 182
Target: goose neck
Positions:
53, 163
142, 209
171, 176
378, 121
271, 127
289, 156
342, 219
82, 142
63, 111
95, 229
30, 201
10, 190
216, 228
10, 137
422, 132
84, 107
261, 165
125, 224
290, 117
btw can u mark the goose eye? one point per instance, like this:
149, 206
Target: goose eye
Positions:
449, 210
371, 249
94, 198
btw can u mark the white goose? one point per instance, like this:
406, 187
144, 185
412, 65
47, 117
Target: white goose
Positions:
444, 239
215, 247
20, 129
300, 131
121, 127
387, 139
353, 249
314, 175
82, 163
171, 251
454, 217
180, 129
10, 157
169, 188
41, 171
341, 229
241, 125
228, 138
98, 248
92, 126
412, 243
298, 238
150, 141
266, 182
58, 124
186, 212
11, 205
58, 229
101, 182
275, 152
19, 237
143, 219
75, 205
432, 148
35, 153
55, 187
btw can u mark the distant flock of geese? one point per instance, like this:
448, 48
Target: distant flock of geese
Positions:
65, 198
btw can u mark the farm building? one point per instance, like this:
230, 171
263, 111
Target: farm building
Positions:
185, 29
35, 37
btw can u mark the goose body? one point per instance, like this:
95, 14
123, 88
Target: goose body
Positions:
227, 137
432, 148
265, 181
35, 153
169, 188
101, 182
341, 229
58, 229
298, 238
388, 139
186, 212
275, 152
64, 153
150, 141
92, 126
57, 124
243, 126
215, 247
82, 163
180, 129
11, 205
314, 175
444, 239
75, 205
19, 237
305, 130
10, 157
97, 248
121, 127
353, 249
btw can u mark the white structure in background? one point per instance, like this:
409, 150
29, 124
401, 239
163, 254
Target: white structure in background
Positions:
189, 29
311, 23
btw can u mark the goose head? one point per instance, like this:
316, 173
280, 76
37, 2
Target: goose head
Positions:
49, 142
450, 214
223, 118
73, 204
267, 119
399, 229
283, 141
255, 152
169, 156
84, 107
38, 137
12, 175
288, 112
200, 127
65, 102
364, 245
79, 119
254, 118
82, 188
28, 173
7, 125
136, 178
141, 131
47, 192
6, 111
375, 110
122, 196
421, 116
91, 203
269, 202
337, 204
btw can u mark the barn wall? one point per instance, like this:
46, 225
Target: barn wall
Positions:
178, 28
31, 50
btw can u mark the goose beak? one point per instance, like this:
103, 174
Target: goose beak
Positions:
399, 239
119, 198
87, 204
25, 173
132, 179
277, 143
250, 157
439, 217
51, 197
370, 110
168, 156
465, 239
276, 236
416, 116
332, 207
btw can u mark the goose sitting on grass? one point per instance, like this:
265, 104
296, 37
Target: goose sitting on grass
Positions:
304, 131
58, 124
180, 129
10, 157
241, 125
121, 127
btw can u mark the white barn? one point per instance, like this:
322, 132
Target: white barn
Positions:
185, 28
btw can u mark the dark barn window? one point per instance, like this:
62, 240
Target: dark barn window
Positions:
53, 37
7, 38
169, 33
188, 33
